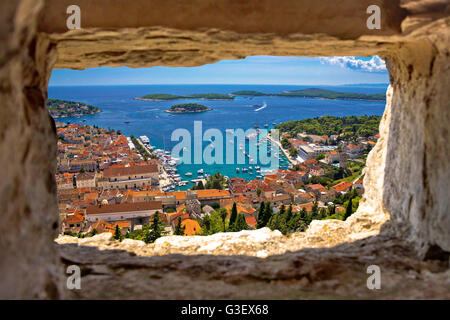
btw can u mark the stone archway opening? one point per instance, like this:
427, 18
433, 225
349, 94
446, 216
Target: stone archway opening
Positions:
406, 179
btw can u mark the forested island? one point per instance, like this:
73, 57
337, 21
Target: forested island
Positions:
200, 96
351, 126
304, 93
188, 108
69, 109
315, 93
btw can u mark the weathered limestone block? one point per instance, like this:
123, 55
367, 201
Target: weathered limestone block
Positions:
417, 167
371, 213
313, 273
29, 265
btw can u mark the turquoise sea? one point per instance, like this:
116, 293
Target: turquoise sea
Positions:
148, 117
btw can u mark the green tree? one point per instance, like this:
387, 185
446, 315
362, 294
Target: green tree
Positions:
117, 234
223, 215
278, 222
216, 181
267, 214
315, 209
179, 229
304, 220
320, 156
282, 209
206, 224
349, 209
240, 223
289, 214
233, 215
156, 229
331, 210
293, 152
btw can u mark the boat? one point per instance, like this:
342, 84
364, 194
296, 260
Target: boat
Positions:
257, 168
172, 163
127, 121
266, 125
244, 169
251, 136
188, 174
200, 171
250, 168
200, 177
237, 170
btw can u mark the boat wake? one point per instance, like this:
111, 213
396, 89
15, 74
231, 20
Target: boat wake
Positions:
263, 107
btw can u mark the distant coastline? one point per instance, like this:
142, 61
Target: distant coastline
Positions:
315, 93
70, 109
201, 96
304, 93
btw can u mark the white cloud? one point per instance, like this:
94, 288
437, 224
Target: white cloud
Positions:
375, 64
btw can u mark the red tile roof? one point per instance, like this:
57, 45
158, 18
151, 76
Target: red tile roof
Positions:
135, 170
342, 186
124, 207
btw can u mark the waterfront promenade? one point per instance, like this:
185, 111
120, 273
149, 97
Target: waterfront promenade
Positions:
286, 153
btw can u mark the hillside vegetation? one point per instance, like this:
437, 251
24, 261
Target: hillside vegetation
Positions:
362, 126
315, 93
68, 109
203, 96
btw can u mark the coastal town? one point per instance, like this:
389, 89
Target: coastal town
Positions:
65, 109
107, 182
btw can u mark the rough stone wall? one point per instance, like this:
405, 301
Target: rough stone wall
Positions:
417, 169
235, 267
28, 220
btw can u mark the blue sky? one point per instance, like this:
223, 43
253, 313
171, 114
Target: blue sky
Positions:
251, 70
